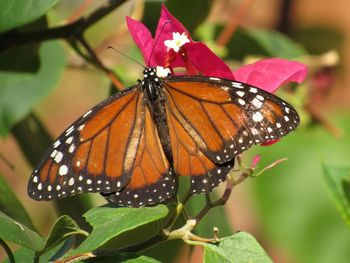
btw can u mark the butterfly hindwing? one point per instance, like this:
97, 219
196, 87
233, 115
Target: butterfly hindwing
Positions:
153, 180
188, 157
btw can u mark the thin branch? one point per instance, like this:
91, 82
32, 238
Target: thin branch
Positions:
7, 162
7, 250
98, 63
78, 27
317, 116
221, 201
231, 27
230, 183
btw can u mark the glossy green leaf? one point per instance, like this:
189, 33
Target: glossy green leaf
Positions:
294, 208
263, 42
19, 92
109, 222
10, 205
337, 179
14, 13
238, 248
15, 232
64, 228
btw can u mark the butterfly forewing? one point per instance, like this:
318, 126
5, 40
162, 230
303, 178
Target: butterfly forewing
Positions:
90, 156
212, 120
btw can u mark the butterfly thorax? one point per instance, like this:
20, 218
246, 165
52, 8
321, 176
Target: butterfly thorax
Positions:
152, 86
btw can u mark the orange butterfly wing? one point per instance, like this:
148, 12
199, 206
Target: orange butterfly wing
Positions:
100, 153
152, 180
212, 120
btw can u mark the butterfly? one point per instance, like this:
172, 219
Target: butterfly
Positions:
133, 146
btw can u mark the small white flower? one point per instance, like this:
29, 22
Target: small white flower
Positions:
162, 72
178, 41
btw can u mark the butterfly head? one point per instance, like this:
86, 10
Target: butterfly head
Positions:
151, 83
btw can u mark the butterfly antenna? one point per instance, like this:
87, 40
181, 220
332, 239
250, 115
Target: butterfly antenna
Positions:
155, 43
121, 53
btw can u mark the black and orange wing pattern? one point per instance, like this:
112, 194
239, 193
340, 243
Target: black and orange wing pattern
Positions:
153, 180
212, 120
100, 153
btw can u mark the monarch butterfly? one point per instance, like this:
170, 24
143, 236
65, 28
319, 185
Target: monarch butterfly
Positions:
132, 147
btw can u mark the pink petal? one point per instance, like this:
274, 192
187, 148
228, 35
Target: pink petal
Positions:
142, 37
167, 25
270, 74
206, 62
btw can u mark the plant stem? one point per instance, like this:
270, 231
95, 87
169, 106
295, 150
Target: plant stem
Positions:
7, 250
78, 27
98, 63
221, 201
232, 25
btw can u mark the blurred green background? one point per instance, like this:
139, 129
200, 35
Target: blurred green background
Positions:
295, 210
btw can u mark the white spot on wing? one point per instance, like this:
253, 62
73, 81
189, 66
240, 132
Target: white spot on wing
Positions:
87, 113
257, 103
240, 93
253, 90
240, 101
257, 117
63, 170
58, 157
56, 144
69, 140
71, 148
71, 181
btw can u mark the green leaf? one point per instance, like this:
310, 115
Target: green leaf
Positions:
240, 248
319, 39
25, 255
22, 255
10, 205
23, 58
125, 258
19, 92
15, 232
337, 179
196, 11
264, 43
14, 13
109, 222
294, 210
64, 228
20, 59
